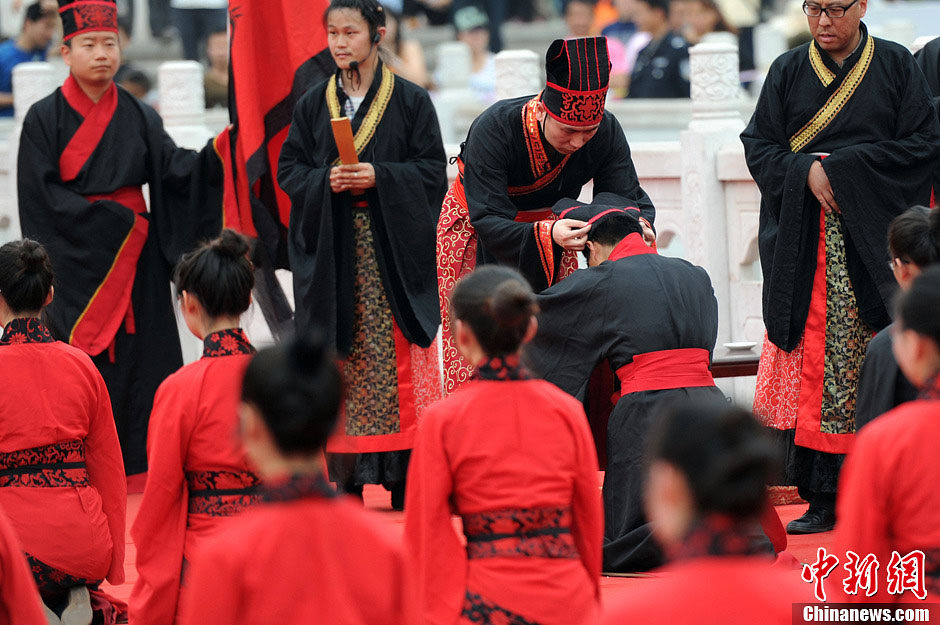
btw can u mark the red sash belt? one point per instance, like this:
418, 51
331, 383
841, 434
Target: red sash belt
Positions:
131, 197
111, 304
667, 369
222, 493
519, 533
50, 466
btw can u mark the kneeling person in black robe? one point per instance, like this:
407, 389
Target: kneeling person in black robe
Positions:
655, 319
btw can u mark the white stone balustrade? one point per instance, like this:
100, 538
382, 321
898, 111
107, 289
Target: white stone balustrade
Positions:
31, 83
518, 73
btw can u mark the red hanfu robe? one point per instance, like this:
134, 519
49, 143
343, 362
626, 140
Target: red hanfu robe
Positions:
193, 450
888, 495
19, 601
54, 409
515, 458
291, 560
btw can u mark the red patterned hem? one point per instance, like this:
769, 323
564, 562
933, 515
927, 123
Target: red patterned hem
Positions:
777, 396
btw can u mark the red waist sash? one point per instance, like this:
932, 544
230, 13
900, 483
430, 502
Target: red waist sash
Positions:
519, 533
222, 493
111, 303
667, 369
131, 197
50, 466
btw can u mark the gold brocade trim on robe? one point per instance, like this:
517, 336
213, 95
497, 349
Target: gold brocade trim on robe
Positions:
374, 115
538, 159
836, 101
847, 338
370, 371
826, 76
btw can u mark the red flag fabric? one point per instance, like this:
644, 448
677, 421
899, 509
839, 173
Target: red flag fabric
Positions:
278, 51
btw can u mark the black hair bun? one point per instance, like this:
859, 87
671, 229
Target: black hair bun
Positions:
513, 303
232, 244
33, 256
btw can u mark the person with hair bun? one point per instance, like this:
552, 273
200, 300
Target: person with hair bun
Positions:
707, 466
302, 555
62, 481
914, 243
513, 456
888, 497
361, 244
199, 476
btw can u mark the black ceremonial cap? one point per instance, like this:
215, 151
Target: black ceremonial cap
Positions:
85, 16
604, 204
577, 73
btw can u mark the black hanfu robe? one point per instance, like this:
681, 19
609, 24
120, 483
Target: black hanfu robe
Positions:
827, 284
881, 384
80, 170
655, 320
928, 59
499, 208
363, 265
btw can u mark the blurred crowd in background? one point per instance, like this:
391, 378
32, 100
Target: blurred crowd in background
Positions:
648, 40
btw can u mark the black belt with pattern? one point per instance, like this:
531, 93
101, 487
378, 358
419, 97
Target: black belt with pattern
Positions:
49, 466
520, 532
222, 493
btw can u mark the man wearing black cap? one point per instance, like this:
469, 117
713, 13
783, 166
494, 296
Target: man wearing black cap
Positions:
520, 157
85, 152
659, 344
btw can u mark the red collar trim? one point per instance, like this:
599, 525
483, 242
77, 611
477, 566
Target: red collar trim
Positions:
96, 117
76, 97
632, 245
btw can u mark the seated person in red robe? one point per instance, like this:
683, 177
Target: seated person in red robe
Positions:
62, 480
199, 477
889, 503
302, 555
704, 492
513, 456
914, 243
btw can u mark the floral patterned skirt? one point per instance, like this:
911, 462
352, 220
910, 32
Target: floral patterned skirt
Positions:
813, 389
389, 381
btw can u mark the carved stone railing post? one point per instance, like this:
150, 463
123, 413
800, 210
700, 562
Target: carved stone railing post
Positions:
183, 103
716, 86
183, 109
453, 62
518, 73
716, 95
31, 83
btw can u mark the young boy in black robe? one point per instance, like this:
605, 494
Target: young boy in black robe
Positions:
85, 152
655, 320
843, 139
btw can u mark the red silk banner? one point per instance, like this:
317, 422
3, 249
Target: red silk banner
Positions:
278, 51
